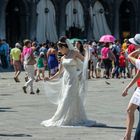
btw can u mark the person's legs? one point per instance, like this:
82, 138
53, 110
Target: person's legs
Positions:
89, 69
15, 69
43, 74
52, 72
130, 120
37, 75
137, 133
108, 67
116, 71
124, 72
92, 70
30, 71
18, 67
121, 70
17, 72
2, 61
98, 71
94, 64
131, 70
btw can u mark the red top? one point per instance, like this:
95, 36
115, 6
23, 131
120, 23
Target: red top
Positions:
138, 82
122, 61
131, 48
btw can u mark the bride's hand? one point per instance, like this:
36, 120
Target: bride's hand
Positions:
46, 79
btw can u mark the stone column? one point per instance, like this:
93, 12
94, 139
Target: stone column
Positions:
138, 18
87, 20
3, 4
32, 20
62, 18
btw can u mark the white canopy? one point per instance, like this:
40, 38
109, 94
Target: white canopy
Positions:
98, 21
74, 19
46, 22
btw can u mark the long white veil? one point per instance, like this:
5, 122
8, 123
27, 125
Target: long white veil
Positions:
53, 89
83, 82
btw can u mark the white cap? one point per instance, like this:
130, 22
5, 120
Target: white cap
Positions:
135, 40
41, 53
94, 44
17, 45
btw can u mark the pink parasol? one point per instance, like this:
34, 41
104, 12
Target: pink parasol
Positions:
107, 39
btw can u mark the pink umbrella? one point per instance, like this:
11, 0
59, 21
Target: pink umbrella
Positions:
107, 39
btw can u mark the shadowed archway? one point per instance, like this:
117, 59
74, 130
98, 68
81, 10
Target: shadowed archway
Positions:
75, 24
16, 21
127, 19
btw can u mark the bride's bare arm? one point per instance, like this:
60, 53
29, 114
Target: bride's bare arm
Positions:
59, 71
133, 56
79, 56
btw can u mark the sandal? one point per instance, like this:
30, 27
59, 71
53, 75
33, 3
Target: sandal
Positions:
32, 93
15, 79
37, 91
24, 89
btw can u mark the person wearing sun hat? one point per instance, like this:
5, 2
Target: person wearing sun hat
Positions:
133, 55
134, 103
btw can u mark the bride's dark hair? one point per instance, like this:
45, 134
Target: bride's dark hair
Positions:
62, 42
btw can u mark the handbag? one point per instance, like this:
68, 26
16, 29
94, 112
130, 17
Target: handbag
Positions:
110, 55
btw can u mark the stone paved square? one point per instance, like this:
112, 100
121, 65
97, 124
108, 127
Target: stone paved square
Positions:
21, 114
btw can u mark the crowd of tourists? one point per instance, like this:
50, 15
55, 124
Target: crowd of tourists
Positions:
108, 60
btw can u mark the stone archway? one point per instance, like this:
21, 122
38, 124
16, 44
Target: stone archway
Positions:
75, 25
127, 20
46, 21
74, 32
99, 23
16, 21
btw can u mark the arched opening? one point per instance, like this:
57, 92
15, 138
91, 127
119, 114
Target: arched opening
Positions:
98, 20
16, 21
74, 32
127, 19
74, 19
46, 21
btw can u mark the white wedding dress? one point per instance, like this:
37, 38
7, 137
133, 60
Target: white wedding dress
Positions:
70, 110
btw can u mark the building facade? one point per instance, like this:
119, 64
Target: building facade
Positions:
48, 19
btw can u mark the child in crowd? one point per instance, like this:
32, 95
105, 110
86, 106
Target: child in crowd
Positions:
122, 64
40, 67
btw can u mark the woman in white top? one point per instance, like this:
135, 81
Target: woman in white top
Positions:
135, 100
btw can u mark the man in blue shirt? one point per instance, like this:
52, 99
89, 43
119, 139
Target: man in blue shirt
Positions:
4, 52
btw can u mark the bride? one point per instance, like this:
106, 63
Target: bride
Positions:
70, 99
